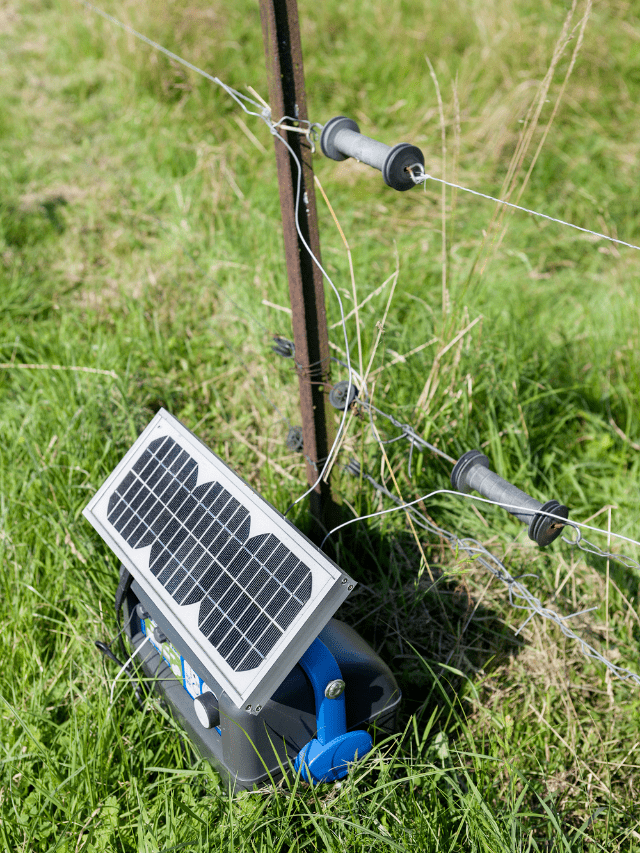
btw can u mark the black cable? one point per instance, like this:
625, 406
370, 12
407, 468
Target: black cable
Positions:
126, 579
106, 651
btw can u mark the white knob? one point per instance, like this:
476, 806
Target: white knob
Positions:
206, 708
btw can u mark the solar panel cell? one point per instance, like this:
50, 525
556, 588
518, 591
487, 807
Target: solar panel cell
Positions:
288, 613
251, 661
208, 531
257, 629
221, 627
276, 558
276, 601
264, 551
174, 580
242, 560
226, 647
125, 517
264, 644
236, 655
257, 582
286, 567
210, 617
270, 589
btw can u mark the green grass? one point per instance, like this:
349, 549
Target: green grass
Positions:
139, 239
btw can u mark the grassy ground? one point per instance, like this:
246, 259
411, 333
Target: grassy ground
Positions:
139, 227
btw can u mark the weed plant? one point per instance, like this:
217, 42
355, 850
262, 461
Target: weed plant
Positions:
141, 266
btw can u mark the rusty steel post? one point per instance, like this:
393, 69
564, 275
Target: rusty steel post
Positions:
287, 97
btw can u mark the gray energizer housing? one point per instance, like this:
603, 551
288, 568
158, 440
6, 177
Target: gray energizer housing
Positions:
246, 749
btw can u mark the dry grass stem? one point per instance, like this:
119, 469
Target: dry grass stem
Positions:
351, 270
443, 191
14, 366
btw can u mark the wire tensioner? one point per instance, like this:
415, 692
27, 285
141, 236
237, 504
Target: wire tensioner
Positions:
341, 138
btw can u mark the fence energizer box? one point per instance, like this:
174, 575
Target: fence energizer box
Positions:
229, 608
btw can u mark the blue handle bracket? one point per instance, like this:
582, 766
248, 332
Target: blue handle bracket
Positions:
327, 757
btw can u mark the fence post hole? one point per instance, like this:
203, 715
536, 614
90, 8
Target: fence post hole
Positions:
287, 97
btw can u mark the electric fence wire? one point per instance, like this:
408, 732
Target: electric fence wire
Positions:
520, 597
415, 440
471, 546
238, 97
343, 420
417, 173
274, 128
419, 176
125, 666
284, 347
409, 434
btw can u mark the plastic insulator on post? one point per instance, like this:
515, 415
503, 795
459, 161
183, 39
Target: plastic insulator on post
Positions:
294, 440
471, 473
341, 138
343, 394
283, 347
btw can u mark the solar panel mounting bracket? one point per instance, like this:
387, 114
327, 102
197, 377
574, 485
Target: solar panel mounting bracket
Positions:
327, 756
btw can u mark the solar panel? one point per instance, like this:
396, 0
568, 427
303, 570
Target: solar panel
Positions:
242, 587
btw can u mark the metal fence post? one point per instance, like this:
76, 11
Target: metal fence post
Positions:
287, 97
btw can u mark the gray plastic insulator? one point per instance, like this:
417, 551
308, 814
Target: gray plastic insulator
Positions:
471, 473
341, 138
294, 440
343, 394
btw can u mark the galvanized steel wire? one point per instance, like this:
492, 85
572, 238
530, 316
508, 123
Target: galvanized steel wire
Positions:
519, 596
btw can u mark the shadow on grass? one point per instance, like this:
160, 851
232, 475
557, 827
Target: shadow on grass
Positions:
422, 619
